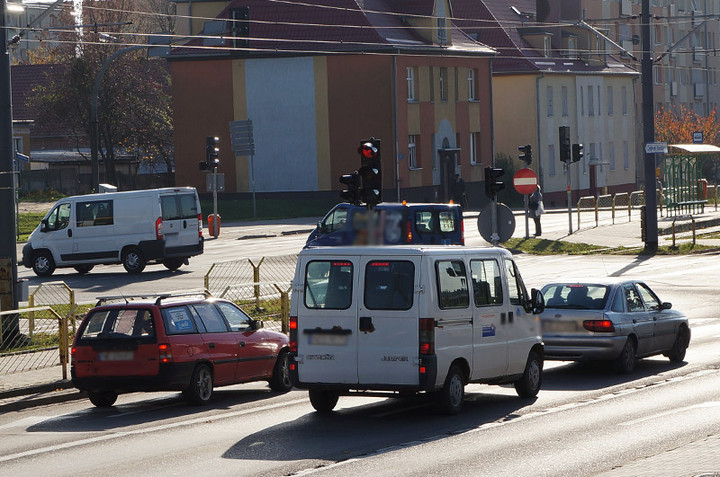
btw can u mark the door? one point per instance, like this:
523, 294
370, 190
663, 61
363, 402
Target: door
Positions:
180, 222
255, 355
327, 321
387, 321
664, 322
57, 234
490, 321
642, 320
93, 236
221, 346
523, 329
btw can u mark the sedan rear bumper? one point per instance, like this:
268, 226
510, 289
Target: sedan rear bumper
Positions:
585, 348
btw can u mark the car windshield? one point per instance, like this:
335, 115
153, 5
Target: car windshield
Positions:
577, 296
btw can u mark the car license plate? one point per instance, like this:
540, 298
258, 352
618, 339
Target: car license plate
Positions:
116, 356
554, 326
328, 340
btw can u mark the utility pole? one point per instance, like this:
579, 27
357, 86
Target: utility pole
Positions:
8, 297
648, 111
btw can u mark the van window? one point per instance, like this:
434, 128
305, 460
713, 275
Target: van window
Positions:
178, 206
447, 221
452, 284
329, 284
178, 321
389, 285
424, 222
210, 317
96, 212
335, 221
126, 323
59, 218
238, 320
516, 287
487, 282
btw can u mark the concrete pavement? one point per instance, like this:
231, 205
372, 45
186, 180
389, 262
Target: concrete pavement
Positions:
700, 458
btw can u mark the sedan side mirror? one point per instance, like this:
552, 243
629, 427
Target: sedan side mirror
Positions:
666, 305
258, 324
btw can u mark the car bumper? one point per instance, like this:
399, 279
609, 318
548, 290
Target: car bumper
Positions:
586, 348
171, 377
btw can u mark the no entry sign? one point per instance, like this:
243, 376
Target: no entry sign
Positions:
525, 181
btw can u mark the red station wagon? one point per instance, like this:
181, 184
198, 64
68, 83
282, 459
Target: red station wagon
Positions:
174, 342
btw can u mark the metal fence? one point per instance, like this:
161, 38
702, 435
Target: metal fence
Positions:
278, 270
608, 209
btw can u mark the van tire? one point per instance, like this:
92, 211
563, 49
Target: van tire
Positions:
133, 260
201, 386
449, 400
43, 264
280, 381
102, 398
529, 384
83, 269
322, 400
173, 264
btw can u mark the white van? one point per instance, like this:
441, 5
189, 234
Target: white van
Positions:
412, 319
132, 228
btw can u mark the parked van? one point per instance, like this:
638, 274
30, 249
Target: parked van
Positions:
412, 319
133, 228
390, 224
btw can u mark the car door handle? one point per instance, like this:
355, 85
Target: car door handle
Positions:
211, 345
510, 316
242, 344
184, 224
69, 232
366, 324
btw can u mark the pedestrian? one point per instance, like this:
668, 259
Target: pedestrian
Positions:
537, 208
457, 192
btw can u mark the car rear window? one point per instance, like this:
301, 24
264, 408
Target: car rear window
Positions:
389, 285
576, 296
118, 324
329, 284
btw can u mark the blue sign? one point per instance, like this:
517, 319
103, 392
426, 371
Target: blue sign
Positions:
697, 137
488, 331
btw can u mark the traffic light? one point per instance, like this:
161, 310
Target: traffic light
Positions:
370, 172
352, 193
577, 152
526, 154
565, 144
492, 184
211, 152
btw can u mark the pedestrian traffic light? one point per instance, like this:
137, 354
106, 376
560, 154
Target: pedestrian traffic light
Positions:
211, 152
492, 184
526, 154
370, 172
565, 144
577, 152
352, 193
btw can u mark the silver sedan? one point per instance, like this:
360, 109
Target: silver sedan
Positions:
618, 321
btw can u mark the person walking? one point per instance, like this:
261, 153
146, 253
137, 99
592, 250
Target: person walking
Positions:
535, 204
457, 192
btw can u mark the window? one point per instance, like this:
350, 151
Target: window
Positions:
119, 324
452, 284
472, 94
591, 102
411, 91
623, 99
91, 213
611, 147
178, 320
446, 220
546, 47
632, 299
516, 287
412, 152
178, 206
474, 147
652, 302
487, 282
335, 221
610, 100
582, 102
572, 47
551, 159
456, 77
599, 100
59, 218
564, 99
441, 31
389, 285
626, 155
443, 84
210, 317
329, 284
549, 93
237, 319
432, 83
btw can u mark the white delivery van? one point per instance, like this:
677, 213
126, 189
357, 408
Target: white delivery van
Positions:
133, 228
412, 319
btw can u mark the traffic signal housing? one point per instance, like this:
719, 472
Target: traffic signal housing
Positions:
370, 172
492, 184
577, 152
526, 154
352, 193
212, 152
565, 144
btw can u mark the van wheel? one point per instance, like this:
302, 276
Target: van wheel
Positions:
83, 269
102, 398
625, 363
280, 381
201, 386
323, 400
134, 260
529, 385
173, 264
43, 264
449, 400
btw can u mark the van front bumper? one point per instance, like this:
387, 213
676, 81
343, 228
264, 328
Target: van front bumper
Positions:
27, 254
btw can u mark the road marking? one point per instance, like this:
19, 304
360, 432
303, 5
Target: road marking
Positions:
659, 415
26, 422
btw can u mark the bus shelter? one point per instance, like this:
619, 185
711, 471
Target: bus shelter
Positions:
684, 190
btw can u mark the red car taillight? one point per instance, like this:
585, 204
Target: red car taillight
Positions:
159, 230
427, 335
165, 353
599, 325
293, 325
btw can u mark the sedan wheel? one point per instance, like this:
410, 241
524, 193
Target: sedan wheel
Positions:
677, 352
280, 380
625, 363
201, 386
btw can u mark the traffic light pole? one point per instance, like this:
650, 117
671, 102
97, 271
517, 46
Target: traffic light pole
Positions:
646, 68
569, 197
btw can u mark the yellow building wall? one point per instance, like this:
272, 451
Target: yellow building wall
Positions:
514, 113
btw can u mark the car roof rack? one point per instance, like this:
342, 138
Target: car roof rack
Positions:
101, 300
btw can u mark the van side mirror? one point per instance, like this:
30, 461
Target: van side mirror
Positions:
537, 302
43, 225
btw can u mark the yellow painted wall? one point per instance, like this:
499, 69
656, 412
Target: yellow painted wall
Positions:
514, 113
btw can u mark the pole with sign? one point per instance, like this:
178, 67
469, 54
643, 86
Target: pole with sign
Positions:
525, 181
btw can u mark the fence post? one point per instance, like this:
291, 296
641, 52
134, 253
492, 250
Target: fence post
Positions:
597, 203
31, 315
612, 208
578, 211
284, 307
256, 279
206, 278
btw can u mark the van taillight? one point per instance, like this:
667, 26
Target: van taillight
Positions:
599, 325
293, 325
165, 353
408, 232
462, 230
199, 225
427, 336
159, 230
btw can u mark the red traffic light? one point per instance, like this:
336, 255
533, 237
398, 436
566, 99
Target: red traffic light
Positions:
368, 150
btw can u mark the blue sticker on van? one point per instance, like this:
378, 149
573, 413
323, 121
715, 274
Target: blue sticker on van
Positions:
488, 331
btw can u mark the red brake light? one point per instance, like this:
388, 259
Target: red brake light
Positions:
293, 326
200, 225
159, 230
165, 353
599, 325
462, 230
427, 335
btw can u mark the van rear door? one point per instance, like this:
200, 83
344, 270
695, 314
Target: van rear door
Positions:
180, 215
327, 325
387, 322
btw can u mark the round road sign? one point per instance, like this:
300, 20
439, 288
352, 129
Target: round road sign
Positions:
525, 181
